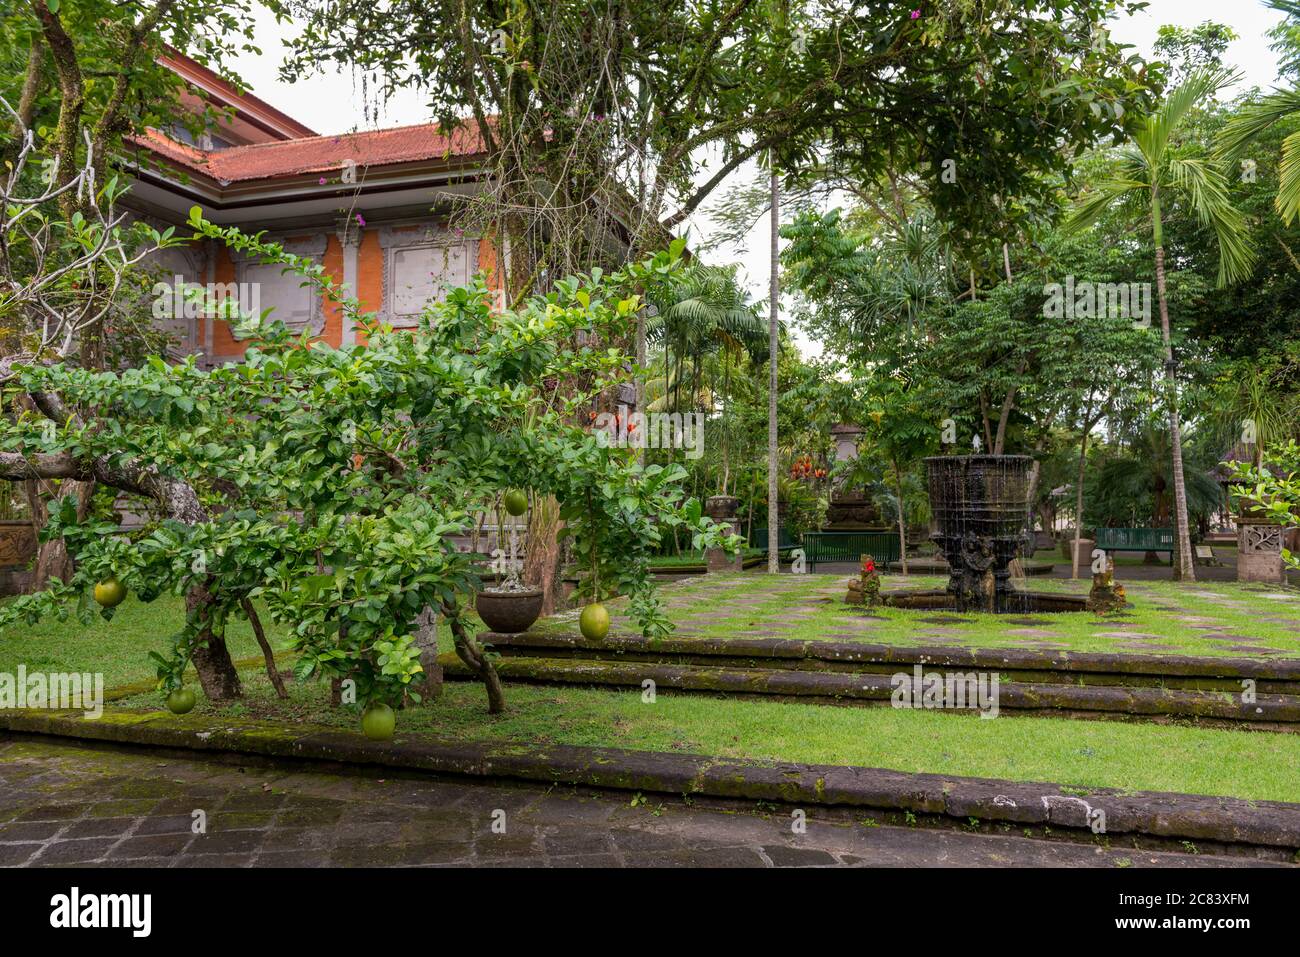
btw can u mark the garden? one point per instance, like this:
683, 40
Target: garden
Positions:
1021, 405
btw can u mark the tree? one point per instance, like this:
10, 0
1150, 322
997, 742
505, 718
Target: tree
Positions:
1258, 116
773, 381
89, 77
1142, 173
328, 483
607, 126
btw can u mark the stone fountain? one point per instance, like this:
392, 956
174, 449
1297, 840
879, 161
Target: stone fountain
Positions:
979, 505
981, 513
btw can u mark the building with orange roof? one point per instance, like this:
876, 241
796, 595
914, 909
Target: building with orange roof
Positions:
372, 207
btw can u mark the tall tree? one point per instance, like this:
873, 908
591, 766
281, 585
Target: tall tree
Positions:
773, 346
1144, 172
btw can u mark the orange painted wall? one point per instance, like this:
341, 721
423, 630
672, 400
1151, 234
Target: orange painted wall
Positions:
332, 332
370, 276
225, 346
369, 292
487, 262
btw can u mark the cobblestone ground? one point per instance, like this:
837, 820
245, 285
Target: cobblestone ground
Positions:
64, 803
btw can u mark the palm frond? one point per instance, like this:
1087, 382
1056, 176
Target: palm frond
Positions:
1253, 119
1092, 206
1153, 138
1205, 186
1287, 202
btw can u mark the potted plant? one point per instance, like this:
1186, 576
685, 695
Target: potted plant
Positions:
510, 606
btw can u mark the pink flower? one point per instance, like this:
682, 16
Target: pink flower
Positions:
916, 14
322, 180
361, 220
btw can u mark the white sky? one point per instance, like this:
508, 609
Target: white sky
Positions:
333, 103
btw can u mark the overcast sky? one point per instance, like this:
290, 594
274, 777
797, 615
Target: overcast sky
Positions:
333, 103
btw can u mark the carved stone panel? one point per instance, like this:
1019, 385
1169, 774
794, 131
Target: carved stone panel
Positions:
1262, 538
262, 287
420, 264
1259, 553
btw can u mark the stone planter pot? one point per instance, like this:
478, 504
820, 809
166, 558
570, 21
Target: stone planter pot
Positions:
721, 508
509, 612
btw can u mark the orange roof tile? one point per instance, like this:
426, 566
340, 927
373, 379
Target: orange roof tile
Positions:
317, 154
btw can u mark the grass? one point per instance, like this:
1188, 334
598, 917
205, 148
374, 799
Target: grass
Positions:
1074, 753
1078, 754
118, 648
1215, 619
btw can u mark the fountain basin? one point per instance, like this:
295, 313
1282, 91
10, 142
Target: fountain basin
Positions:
1013, 602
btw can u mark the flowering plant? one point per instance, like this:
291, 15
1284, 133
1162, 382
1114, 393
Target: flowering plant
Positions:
870, 582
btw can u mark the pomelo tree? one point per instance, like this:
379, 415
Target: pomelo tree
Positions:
328, 484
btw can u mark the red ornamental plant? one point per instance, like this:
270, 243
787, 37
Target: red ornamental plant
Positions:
870, 582
803, 468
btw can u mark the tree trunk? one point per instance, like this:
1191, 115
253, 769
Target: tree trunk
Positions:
52, 559
268, 655
426, 639
210, 655
471, 652
1184, 569
32, 83
773, 347
1078, 504
902, 522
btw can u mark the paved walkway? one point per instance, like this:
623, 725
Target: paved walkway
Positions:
63, 803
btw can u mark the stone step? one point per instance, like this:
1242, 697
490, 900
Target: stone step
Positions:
1279, 712
1191, 672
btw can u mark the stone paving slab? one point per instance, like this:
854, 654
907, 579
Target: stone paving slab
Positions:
1272, 825
311, 819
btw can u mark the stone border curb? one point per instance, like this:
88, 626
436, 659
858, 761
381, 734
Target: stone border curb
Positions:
1274, 711
1024, 659
1170, 816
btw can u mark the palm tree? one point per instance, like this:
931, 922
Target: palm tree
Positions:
773, 347
1254, 118
1143, 173
702, 311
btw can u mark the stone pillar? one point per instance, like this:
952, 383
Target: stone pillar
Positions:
1259, 552
349, 234
1086, 545
426, 639
722, 509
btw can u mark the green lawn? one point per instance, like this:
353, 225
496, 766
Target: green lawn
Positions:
118, 648
1223, 619
1083, 754
1076, 753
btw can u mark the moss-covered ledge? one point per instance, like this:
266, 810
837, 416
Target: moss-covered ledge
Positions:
1273, 825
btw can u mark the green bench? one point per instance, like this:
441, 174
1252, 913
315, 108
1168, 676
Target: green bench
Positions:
784, 543
823, 547
1136, 540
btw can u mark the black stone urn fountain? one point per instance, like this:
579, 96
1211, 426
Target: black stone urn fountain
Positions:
978, 504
